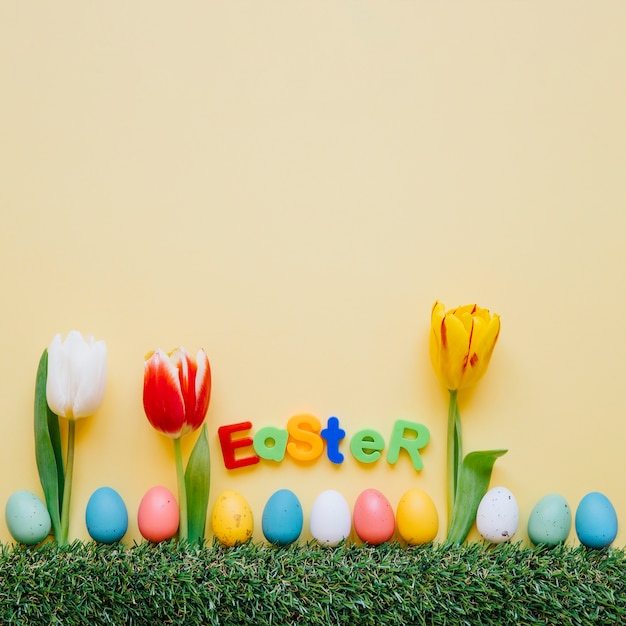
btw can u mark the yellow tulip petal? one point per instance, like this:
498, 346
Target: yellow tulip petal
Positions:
467, 319
483, 314
455, 345
460, 311
483, 344
436, 319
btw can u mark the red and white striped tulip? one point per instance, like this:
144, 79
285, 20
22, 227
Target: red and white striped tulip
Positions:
176, 391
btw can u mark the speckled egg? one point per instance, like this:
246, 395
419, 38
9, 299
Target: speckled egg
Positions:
596, 521
282, 518
373, 517
498, 515
550, 521
417, 518
232, 519
27, 518
330, 521
158, 515
106, 516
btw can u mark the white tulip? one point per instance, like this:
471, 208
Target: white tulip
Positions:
76, 375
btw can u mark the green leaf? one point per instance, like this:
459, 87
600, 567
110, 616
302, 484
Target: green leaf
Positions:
197, 484
48, 450
473, 482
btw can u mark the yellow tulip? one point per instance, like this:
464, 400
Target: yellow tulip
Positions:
461, 343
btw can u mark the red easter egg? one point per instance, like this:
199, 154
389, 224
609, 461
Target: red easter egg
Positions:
373, 517
158, 515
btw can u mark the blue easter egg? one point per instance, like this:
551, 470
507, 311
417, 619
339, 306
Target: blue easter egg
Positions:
282, 518
596, 521
106, 516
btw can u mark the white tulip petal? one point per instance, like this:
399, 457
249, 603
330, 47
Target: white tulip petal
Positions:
202, 361
76, 375
55, 383
90, 393
77, 359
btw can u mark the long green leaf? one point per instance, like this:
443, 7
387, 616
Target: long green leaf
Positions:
473, 482
197, 484
48, 450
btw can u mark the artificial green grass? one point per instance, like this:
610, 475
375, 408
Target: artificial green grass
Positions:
167, 583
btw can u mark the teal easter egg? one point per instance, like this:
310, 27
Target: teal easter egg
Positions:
106, 516
282, 518
27, 518
550, 521
596, 521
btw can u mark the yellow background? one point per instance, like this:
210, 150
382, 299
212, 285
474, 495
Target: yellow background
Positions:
290, 185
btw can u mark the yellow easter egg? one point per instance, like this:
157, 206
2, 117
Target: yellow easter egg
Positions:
417, 518
232, 519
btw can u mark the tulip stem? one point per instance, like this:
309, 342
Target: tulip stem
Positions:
67, 492
455, 451
182, 491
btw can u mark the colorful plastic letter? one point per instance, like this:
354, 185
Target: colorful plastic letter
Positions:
229, 445
304, 429
366, 445
411, 444
333, 435
270, 443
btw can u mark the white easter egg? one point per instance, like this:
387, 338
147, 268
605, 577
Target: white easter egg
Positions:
330, 520
498, 515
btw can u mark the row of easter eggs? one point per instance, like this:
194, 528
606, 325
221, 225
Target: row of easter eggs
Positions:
550, 520
416, 518
330, 521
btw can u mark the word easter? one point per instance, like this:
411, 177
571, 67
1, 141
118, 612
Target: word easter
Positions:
304, 438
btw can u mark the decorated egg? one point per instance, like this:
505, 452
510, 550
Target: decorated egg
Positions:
417, 518
106, 516
330, 520
596, 521
373, 517
232, 519
158, 515
27, 518
498, 515
282, 518
550, 521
